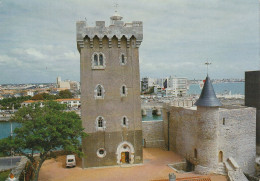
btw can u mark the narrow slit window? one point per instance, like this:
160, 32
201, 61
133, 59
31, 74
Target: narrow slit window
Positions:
224, 121
124, 121
123, 59
123, 90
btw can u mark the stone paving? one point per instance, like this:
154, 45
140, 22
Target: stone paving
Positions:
9, 162
154, 168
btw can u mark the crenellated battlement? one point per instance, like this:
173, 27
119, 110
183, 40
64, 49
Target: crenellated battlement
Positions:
117, 29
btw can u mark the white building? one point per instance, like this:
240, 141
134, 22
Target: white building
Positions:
73, 102
169, 86
68, 84
63, 84
176, 86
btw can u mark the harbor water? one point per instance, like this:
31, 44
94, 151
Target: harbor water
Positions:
220, 88
5, 128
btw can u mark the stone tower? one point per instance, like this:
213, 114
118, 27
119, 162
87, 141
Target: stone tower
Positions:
208, 118
110, 92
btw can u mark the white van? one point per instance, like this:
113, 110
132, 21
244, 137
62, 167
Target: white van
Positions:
70, 161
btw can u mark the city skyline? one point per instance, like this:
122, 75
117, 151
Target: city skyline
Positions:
38, 38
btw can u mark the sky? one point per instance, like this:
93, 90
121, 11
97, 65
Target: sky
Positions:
38, 38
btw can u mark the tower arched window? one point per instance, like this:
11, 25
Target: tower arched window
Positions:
123, 91
95, 60
122, 59
100, 123
98, 60
99, 92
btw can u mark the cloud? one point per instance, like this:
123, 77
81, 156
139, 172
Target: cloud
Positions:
38, 37
6, 60
35, 53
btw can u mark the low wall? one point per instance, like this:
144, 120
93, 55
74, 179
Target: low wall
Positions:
153, 134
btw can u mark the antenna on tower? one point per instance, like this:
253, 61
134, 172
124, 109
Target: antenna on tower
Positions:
116, 5
207, 63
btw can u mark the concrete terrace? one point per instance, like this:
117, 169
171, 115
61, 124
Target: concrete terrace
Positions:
154, 168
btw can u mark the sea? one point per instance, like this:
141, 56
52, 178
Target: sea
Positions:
220, 88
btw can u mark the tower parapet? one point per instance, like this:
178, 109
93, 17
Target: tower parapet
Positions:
117, 28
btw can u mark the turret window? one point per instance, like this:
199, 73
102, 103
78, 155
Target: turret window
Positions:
122, 59
98, 61
195, 153
99, 92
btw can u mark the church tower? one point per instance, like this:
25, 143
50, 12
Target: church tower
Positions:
110, 92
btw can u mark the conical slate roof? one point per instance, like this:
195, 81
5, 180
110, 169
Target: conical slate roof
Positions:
208, 97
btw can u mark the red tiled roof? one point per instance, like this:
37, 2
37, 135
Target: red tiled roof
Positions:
189, 179
72, 99
59, 100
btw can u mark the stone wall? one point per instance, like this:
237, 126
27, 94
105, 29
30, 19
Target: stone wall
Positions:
237, 136
199, 135
183, 131
153, 134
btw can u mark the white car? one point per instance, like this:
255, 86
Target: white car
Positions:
70, 161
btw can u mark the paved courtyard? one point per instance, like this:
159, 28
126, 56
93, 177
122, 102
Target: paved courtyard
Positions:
154, 168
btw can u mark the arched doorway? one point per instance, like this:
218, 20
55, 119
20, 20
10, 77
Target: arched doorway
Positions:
220, 156
125, 153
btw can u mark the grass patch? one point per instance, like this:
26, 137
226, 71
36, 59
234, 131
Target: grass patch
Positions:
4, 174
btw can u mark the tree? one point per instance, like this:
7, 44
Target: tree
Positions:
44, 96
150, 91
65, 94
9, 103
44, 130
37, 97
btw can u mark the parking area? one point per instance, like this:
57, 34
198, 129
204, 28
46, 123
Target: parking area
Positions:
154, 167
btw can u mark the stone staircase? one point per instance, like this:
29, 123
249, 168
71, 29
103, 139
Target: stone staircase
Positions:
234, 172
221, 169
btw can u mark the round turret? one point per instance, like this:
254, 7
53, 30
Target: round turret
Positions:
116, 17
208, 116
